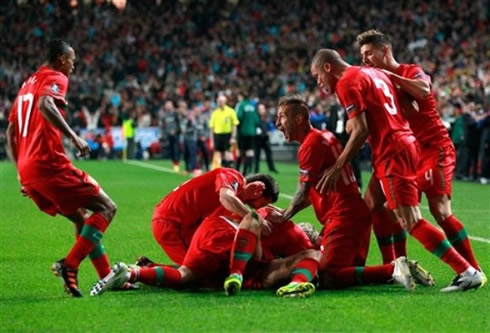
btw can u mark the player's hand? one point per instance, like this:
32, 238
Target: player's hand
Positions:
329, 179
81, 145
232, 141
266, 227
275, 214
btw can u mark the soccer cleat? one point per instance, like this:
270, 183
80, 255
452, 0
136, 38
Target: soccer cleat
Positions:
401, 273
143, 261
420, 275
463, 283
296, 289
118, 276
233, 284
484, 280
68, 276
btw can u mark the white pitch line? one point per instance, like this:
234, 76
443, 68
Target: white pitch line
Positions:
282, 195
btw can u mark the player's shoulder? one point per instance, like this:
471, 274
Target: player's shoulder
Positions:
316, 139
352, 76
412, 71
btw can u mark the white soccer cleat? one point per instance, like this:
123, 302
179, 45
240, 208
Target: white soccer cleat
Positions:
463, 283
118, 276
402, 275
420, 275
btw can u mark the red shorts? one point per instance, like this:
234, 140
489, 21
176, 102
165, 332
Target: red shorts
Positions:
209, 252
398, 177
345, 242
174, 238
435, 170
64, 193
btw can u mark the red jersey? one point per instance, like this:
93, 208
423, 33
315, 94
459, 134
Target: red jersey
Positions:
426, 124
319, 151
40, 152
365, 89
197, 198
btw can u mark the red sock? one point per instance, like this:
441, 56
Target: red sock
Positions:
382, 227
457, 236
305, 270
242, 250
91, 234
360, 275
434, 241
165, 276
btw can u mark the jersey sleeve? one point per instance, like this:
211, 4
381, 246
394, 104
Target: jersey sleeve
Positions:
234, 118
311, 159
55, 86
351, 97
417, 73
212, 119
13, 113
231, 180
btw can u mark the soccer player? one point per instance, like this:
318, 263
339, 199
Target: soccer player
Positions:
46, 175
178, 215
342, 211
208, 261
437, 157
371, 102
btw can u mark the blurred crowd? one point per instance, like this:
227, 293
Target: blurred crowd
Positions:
131, 62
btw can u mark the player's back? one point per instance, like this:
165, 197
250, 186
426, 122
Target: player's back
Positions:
191, 202
389, 131
40, 152
426, 124
319, 151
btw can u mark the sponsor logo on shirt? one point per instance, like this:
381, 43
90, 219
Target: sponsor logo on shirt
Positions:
55, 88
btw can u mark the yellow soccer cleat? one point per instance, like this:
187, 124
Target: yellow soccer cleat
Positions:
233, 284
296, 289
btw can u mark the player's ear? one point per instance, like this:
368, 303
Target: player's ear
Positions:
327, 67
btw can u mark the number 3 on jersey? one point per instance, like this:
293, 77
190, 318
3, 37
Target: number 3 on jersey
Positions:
27, 100
390, 107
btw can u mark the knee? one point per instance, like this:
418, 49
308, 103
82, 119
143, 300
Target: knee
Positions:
110, 209
440, 210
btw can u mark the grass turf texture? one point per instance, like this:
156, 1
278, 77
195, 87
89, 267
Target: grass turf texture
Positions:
32, 299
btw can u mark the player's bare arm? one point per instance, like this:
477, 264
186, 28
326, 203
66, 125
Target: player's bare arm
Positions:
12, 151
50, 111
231, 202
12, 142
358, 134
299, 202
417, 88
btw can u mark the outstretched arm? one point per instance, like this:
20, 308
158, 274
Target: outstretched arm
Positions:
12, 143
50, 111
231, 202
417, 88
299, 202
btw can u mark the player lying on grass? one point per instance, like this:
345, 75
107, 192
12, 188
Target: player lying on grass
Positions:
342, 211
207, 262
180, 213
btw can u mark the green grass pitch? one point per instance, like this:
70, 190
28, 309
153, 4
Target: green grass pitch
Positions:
32, 299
